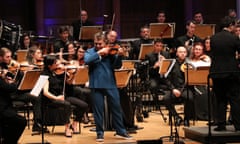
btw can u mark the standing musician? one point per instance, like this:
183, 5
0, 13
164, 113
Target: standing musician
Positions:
12, 125
102, 83
178, 90
225, 73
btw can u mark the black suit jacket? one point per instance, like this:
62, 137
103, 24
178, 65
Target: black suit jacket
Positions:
223, 49
153, 58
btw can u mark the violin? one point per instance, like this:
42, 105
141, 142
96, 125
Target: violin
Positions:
113, 49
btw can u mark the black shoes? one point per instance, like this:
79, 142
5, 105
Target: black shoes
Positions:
220, 128
178, 121
37, 127
124, 136
100, 138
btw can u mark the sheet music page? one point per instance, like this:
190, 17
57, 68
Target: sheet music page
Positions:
39, 85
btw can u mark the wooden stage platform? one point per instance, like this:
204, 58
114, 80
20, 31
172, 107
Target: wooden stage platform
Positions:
201, 134
154, 128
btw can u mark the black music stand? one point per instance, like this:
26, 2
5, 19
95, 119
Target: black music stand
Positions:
162, 30
145, 49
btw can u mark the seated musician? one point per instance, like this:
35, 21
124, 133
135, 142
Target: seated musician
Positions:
155, 58
56, 94
198, 58
178, 90
12, 125
61, 42
81, 91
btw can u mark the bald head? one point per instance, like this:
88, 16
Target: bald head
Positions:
112, 36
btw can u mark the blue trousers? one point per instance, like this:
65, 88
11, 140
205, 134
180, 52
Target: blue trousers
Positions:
113, 101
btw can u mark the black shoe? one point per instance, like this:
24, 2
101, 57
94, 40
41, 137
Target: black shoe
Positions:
139, 119
100, 138
186, 123
213, 123
220, 128
124, 136
178, 120
37, 127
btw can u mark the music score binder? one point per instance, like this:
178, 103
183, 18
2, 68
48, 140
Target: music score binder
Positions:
166, 66
29, 79
88, 32
162, 30
81, 76
145, 49
122, 77
204, 30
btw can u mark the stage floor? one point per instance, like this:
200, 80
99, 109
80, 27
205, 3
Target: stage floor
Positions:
154, 127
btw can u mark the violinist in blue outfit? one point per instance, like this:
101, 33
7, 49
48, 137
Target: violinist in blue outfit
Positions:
102, 62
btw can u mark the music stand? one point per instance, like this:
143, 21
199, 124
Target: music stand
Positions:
122, 77
204, 30
129, 64
21, 55
29, 79
145, 49
198, 76
166, 66
87, 32
162, 30
81, 76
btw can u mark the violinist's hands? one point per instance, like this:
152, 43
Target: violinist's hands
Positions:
176, 92
103, 51
120, 51
60, 97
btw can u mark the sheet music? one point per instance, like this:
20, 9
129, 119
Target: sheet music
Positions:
39, 85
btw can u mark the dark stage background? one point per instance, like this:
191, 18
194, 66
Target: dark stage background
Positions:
41, 15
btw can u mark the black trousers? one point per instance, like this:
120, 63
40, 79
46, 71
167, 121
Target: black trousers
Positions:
227, 90
187, 98
12, 128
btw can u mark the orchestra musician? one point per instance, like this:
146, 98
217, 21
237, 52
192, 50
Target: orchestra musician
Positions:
189, 38
12, 125
64, 38
57, 94
83, 21
178, 90
155, 58
102, 83
225, 73
199, 58
25, 42
144, 39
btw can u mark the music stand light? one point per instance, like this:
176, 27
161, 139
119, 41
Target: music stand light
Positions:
162, 30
